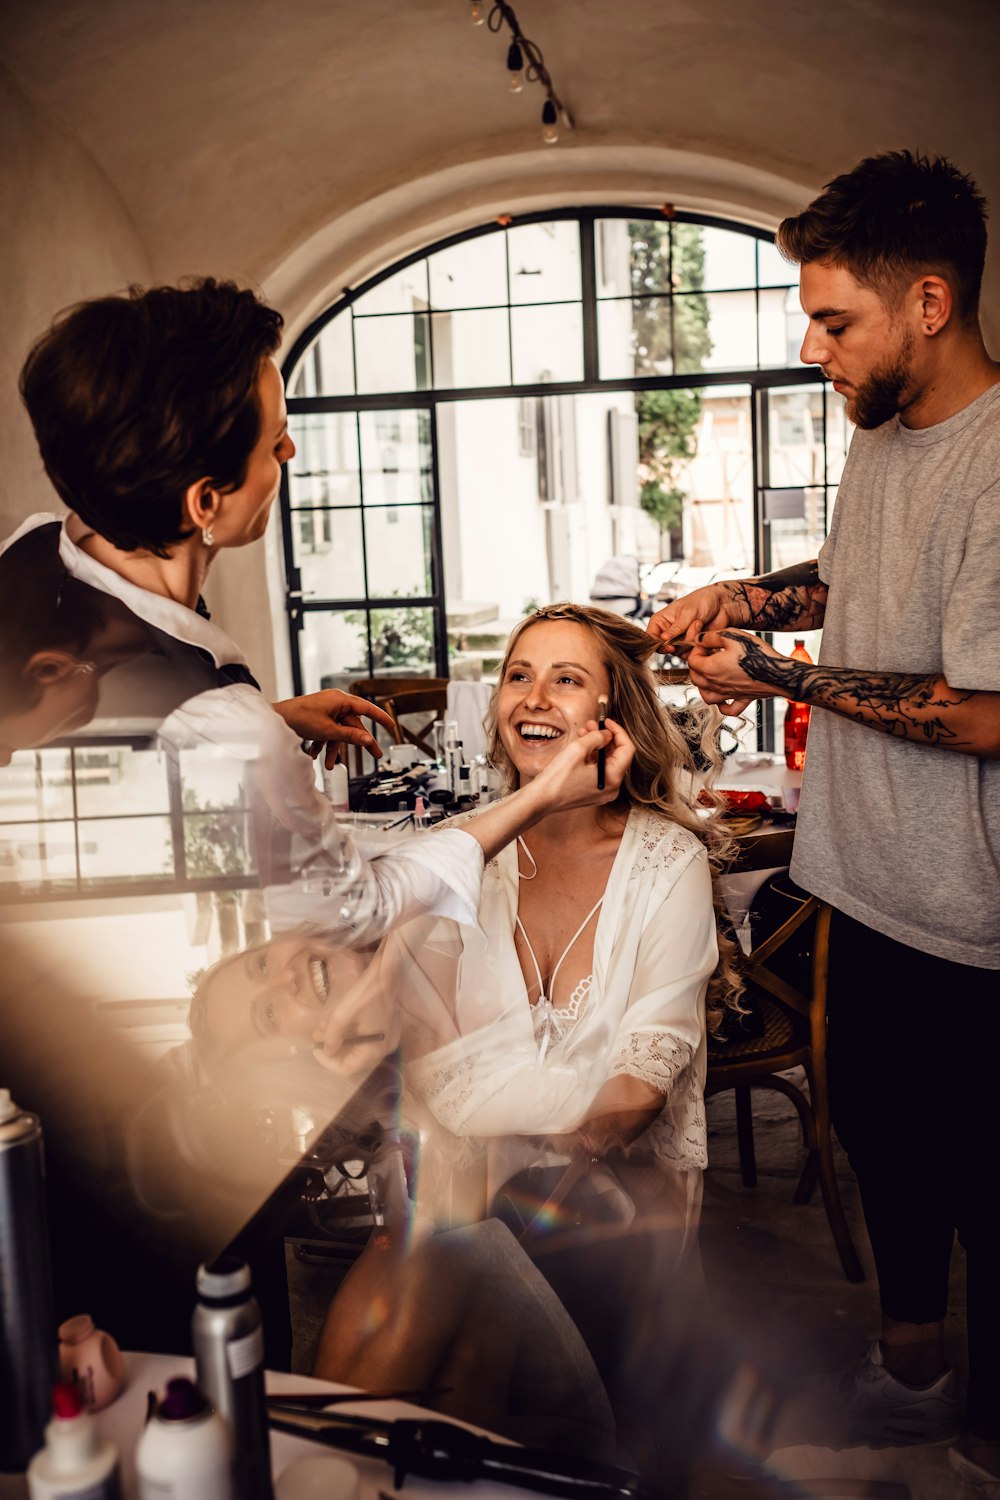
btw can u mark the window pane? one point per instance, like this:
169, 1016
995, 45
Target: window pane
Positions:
544, 262
648, 256
327, 366
399, 550
217, 843
124, 848
772, 268
724, 321
396, 457
548, 343
334, 649
613, 255
839, 432
712, 259
120, 780
471, 348
391, 353
324, 470
405, 291
472, 274
326, 545
211, 779
795, 436
798, 537
782, 327
34, 853
402, 640
36, 784
634, 338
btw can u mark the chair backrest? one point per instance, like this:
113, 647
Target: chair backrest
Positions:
431, 700
377, 688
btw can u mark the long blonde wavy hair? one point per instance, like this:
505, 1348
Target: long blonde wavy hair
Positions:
677, 756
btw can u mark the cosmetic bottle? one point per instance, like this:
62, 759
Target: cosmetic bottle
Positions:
28, 1365
336, 785
184, 1452
90, 1359
229, 1357
77, 1463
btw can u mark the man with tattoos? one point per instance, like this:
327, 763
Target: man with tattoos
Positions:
899, 821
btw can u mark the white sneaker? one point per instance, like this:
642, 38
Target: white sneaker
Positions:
881, 1412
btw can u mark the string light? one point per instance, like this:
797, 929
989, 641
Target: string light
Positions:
550, 120
515, 63
525, 64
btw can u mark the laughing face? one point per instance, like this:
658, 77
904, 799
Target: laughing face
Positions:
550, 689
283, 988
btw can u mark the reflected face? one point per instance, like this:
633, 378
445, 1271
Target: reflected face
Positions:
862, 346
550, 689
283, 988
68, 693
245, 511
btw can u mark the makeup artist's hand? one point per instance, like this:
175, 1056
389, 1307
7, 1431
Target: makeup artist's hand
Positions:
570, 778
332, 718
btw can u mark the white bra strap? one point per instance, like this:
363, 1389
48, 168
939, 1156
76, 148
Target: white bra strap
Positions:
538, 973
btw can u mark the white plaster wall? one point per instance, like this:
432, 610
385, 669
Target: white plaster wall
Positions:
66, 237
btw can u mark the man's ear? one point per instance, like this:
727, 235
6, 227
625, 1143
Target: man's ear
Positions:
937, 304
201, 504
49, 667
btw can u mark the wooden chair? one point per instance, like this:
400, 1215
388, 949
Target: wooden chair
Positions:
380, 689
786, 983
429, 700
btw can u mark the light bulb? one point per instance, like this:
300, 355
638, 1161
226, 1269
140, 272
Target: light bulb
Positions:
476, 13
550, 120
515, 62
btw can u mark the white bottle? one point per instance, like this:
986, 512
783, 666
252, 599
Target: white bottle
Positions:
184, 1451
76, 1460
336, 786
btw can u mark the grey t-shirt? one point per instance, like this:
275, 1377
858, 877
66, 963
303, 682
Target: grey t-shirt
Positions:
904, 836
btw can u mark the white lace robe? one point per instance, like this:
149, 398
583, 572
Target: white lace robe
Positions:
474, 1061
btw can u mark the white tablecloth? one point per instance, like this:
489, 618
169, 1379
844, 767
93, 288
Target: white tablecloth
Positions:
123, 1421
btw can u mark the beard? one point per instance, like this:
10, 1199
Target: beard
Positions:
881, 396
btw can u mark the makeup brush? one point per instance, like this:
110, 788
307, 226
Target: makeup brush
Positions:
602, 710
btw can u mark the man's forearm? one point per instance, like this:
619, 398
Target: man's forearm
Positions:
791, 599
911, 706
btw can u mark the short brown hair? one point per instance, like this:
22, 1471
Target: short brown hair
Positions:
134, 398
890, 218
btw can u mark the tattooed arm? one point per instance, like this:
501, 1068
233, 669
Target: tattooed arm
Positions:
792, 599
912, 706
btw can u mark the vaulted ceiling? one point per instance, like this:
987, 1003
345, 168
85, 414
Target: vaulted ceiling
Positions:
231, 130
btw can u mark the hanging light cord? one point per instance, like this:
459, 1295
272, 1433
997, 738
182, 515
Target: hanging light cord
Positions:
524, 53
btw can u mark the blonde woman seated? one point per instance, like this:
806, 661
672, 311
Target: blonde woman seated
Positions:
572, 1024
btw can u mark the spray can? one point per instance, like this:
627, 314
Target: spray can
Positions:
28, 1361
229, 1357
184, 1451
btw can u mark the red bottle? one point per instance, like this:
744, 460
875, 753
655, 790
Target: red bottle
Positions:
797, 721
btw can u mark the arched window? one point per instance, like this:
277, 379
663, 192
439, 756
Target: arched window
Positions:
482, 425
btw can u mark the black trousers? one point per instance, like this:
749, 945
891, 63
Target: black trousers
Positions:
914, 1046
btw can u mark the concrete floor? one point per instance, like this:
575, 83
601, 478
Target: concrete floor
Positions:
775, 1279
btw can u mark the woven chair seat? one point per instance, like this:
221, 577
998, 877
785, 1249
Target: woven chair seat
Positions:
781, 1034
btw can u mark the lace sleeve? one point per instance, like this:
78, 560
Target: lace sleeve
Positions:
656, 1057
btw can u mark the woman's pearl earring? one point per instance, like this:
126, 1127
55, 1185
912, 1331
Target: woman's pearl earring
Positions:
207, 537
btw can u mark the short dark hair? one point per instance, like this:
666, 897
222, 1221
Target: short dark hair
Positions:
891, 217
133, 398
